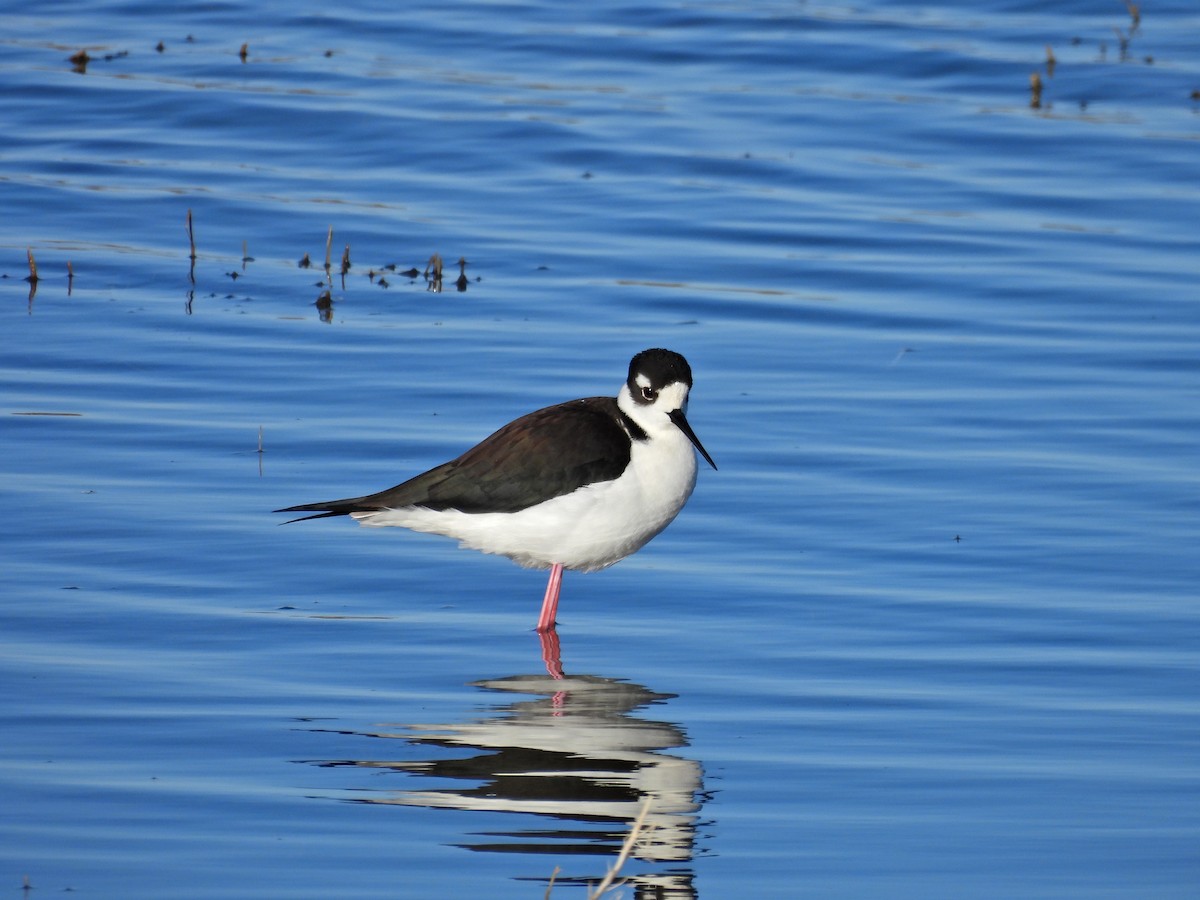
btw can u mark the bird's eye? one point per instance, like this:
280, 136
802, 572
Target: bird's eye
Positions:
649, 393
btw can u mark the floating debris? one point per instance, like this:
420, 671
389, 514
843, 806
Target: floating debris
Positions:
79, 61
324, 305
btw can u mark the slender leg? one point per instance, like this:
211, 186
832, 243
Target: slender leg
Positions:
550, 601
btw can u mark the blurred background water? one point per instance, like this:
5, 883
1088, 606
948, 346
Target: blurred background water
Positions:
931, 630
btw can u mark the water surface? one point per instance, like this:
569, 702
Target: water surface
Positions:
930, 631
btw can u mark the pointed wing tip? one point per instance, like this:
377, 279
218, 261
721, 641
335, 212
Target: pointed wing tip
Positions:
324, 512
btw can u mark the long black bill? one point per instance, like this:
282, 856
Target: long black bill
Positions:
681, 423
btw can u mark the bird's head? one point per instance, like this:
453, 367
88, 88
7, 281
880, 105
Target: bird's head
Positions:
655, 395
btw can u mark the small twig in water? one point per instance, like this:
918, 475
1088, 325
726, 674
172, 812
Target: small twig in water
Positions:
33, 275
434, 280
1135, 14
192, 253
626, 849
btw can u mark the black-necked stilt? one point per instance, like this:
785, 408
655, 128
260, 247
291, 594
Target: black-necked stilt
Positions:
580, 485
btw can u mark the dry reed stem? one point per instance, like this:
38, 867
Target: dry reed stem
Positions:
626, 849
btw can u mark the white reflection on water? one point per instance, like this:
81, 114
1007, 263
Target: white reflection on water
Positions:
577, 756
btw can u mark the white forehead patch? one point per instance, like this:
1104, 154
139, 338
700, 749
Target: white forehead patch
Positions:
642, 380
674, 396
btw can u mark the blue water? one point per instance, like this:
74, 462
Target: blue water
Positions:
931, 631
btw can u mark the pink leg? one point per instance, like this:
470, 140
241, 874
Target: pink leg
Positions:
550, 601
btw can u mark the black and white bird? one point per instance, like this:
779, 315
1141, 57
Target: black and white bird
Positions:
580, 485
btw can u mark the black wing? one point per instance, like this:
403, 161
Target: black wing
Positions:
542, 455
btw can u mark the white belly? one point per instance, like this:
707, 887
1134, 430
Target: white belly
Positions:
587, 530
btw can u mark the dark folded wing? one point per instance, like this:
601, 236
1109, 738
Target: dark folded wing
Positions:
545, 454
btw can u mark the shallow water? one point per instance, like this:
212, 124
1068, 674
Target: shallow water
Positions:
930, 631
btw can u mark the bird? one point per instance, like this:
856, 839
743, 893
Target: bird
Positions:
579, 485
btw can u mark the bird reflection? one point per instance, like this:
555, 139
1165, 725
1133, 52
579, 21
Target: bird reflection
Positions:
571, 753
